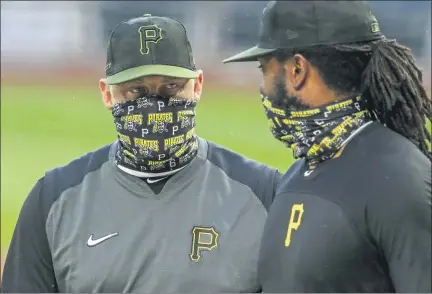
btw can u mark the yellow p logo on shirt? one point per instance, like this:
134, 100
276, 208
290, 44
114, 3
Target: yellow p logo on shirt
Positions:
203, 238
294, 222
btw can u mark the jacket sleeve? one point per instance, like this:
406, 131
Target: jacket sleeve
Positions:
276, 181
28, 266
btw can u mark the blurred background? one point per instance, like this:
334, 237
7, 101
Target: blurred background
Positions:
53, 54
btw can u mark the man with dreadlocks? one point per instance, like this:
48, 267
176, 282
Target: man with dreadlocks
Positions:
353, 214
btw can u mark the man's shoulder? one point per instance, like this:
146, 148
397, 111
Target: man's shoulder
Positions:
51, 186
236, 163
390, 159
260, 178
383, 172
73, 173
399, 179
378, 142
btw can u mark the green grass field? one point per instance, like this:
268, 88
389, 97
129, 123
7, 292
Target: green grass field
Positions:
44, 126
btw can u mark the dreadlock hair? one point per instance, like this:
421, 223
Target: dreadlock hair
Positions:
386, 75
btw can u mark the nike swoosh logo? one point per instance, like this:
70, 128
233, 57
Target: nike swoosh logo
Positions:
308, 172
150, 181
91, 242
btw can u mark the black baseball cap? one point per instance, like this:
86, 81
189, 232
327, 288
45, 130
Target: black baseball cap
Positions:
297, 24
149, 45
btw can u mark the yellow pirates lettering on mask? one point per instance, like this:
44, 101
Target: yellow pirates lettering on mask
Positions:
194, 145
341, 129
131, 120
291, 122
298, 128
185, 117
277, 121
278, 111
157, 165
361, 114
315, 150
184, 113
127, 160
190, 134
157, 117
129, 154
159, 121
305, 113
181, 151
267, 104
157, 162
187, 156
339, 106
329, 141
287, 138
293, 146
173, 141
146, 144
124, 139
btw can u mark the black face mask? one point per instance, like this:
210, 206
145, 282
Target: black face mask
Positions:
316, 134
156, 135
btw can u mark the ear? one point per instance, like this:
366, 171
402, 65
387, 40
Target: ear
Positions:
106, 93
298, 68
199, 84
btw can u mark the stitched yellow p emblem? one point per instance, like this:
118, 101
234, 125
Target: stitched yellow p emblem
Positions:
203, 238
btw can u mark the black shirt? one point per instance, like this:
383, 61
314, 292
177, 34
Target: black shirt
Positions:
357, 223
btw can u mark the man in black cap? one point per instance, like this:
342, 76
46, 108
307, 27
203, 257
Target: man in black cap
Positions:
353, 214
161, 210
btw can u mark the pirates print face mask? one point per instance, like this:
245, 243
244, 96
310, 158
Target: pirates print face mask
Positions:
316, 134
156, 135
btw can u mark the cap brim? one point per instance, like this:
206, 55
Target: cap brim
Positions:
151, 70
251, 54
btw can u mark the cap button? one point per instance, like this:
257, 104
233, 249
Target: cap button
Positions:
147, 14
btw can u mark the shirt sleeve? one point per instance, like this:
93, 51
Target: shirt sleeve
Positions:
270, 187
276, 181
28, 266
402, 230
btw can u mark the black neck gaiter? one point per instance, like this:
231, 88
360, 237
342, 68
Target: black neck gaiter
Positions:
317, 134
156, 135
